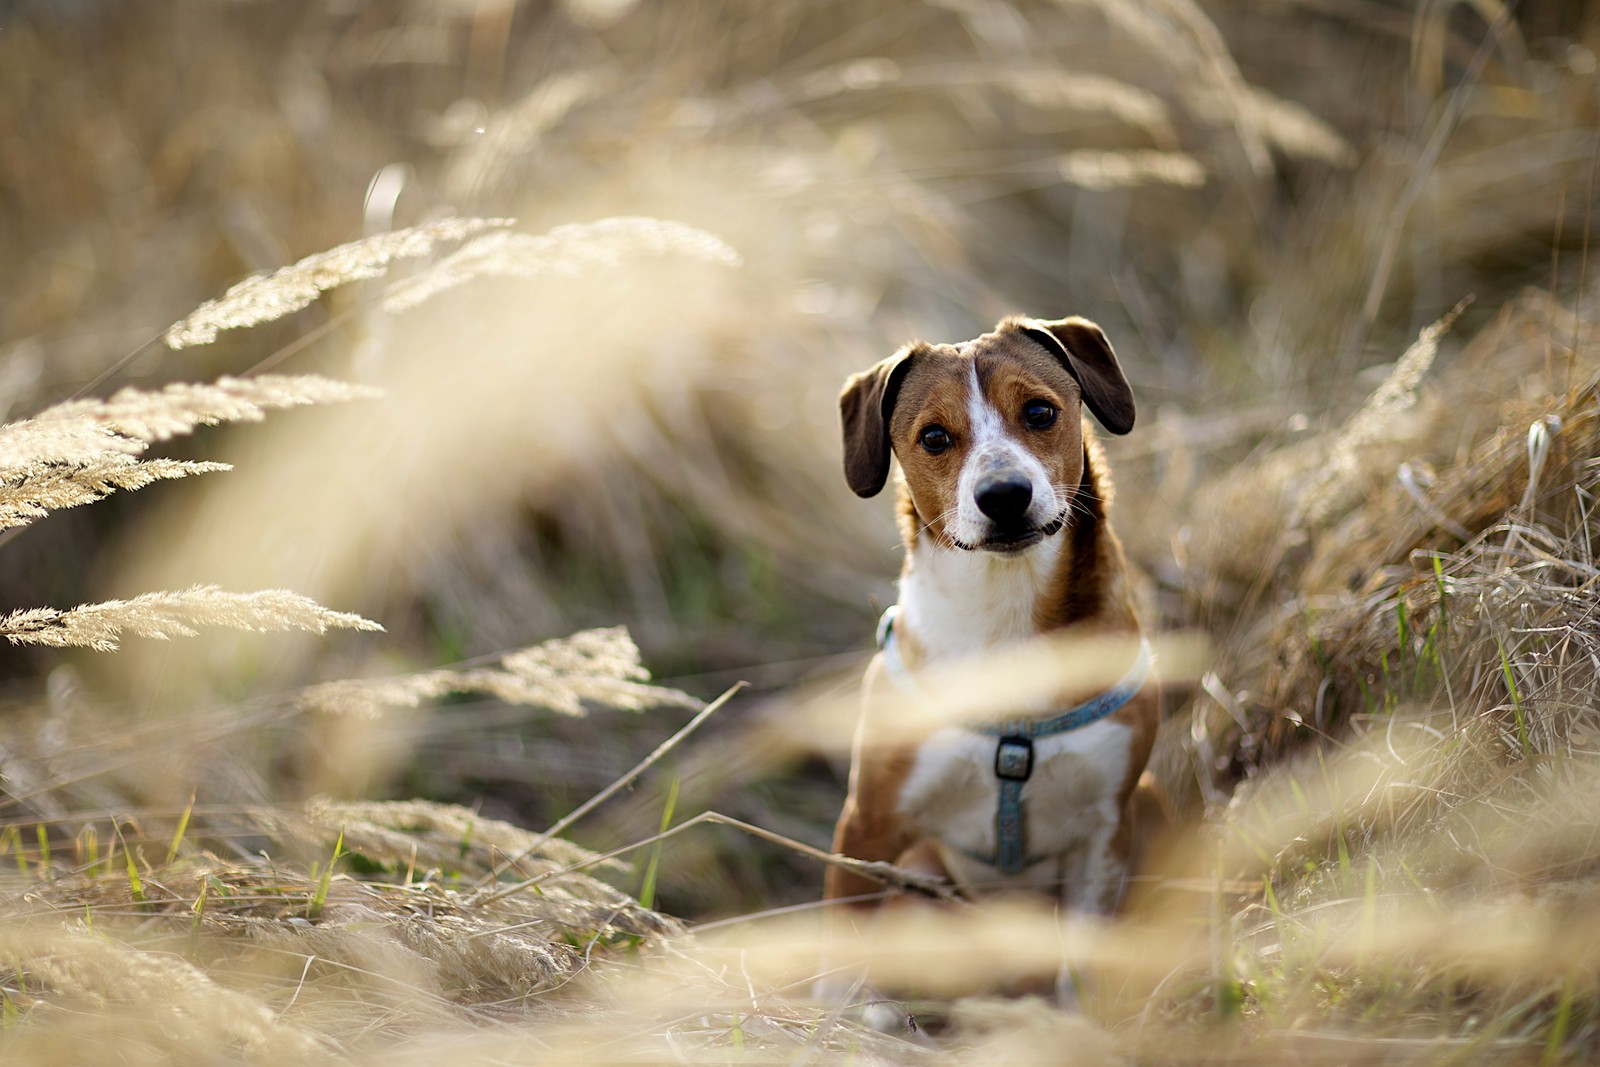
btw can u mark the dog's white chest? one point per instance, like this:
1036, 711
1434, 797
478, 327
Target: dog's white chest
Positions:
960, 604
1069, 802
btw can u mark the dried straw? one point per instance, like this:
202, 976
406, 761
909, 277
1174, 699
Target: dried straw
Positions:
166, 615
265, 297
568, 250
601, 665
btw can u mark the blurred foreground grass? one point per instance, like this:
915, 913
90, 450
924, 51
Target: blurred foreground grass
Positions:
1379, 512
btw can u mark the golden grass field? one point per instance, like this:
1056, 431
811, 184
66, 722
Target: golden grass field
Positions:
494, 349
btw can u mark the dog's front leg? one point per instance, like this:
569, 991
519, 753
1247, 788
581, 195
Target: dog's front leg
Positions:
1093, 882
867, 838
1103, 873
856, 899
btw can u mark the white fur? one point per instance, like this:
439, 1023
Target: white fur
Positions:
959, 603
994, 443
1069, 805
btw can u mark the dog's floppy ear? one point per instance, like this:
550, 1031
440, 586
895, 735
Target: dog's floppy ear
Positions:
1083, 350
865, 406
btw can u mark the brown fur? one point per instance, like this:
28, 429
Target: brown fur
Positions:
1079, 591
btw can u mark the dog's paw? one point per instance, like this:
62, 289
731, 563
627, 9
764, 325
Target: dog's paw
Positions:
863, 1004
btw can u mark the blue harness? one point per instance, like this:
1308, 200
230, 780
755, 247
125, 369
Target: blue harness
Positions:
1013, 752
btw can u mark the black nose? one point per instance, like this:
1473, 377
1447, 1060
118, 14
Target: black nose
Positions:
1004, 497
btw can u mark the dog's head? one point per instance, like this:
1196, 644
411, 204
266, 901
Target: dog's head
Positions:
988, 431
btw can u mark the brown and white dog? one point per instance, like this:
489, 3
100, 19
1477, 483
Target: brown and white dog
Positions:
1003, 511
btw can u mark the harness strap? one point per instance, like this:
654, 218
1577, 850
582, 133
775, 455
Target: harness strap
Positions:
1013, 753
1013, 765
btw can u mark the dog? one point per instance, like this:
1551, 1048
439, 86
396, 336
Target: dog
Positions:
1003, 510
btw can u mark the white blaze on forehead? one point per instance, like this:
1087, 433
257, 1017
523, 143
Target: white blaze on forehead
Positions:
995, 446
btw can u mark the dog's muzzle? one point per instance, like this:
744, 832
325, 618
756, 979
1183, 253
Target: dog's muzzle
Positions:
1015, 540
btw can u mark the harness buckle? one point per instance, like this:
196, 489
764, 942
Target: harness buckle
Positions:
1013, 759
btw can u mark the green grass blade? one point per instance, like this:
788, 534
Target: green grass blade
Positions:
89, 843
1369, 913
195, 924
1516, 700
320, 896
647, 891
1558, 1028
183, 826
11, 841
135, 883
1438, 580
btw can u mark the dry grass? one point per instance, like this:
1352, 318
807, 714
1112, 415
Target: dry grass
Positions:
596, 665
194, 959
1384, 528
166, 615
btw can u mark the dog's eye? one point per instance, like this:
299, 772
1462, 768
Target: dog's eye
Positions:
935, 439
1038, 414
